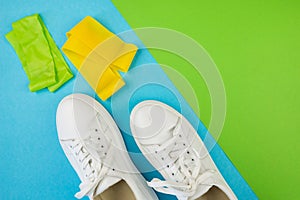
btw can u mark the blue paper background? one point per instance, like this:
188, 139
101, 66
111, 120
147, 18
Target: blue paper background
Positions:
33, 165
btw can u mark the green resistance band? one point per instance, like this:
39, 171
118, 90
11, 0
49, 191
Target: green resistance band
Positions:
41, 59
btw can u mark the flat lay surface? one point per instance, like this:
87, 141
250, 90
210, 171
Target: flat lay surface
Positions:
34, 161
256, 46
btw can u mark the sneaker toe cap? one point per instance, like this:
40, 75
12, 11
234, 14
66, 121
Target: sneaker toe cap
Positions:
73, 116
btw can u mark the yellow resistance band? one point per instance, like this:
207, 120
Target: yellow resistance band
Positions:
98, 54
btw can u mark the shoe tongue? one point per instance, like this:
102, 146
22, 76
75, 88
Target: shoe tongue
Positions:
107, 182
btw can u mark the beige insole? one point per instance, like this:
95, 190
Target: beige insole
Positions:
120, 190
214, 193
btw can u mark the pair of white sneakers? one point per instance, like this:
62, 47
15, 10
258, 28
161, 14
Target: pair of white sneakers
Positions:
94, 146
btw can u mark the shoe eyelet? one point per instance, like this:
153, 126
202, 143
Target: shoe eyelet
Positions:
180, 135
168, 166
188, 152
99, 138
155, 151
96, 130
113, 169
172, 174
162, 158
102, 146
183, 144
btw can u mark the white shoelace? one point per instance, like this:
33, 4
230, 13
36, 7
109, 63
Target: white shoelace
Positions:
187, 169
94, 171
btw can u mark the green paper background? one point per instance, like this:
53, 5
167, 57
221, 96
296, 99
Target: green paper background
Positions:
256, 46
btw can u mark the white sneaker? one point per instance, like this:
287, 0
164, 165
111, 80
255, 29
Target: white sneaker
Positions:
94, 146
173, 147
